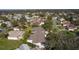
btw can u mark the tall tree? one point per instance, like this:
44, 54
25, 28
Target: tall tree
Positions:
48, 24
61, 40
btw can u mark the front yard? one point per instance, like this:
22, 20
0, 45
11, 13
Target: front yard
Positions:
9, 44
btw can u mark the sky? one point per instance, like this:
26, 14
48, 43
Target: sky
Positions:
39, 4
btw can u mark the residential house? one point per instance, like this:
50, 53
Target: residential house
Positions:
68, 25
71, 27
65, 23
9, 16
8, 23
28, 18
17, 16
38, 21
62, 19
15, 35
37, 37
16, 28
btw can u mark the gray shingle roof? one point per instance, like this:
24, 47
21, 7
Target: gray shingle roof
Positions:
15, 33
38, 35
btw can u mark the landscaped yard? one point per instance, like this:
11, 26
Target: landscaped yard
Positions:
9, 44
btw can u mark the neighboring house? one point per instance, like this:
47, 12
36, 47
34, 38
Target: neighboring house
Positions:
15, 35
65, 23
23, 47
16, 28
72, 27
27, 18
17, 16
69, 26
37, 37
37, 21
41, 23
62, 19
8, 23
9, 16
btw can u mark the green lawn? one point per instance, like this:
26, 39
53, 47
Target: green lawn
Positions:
9, 44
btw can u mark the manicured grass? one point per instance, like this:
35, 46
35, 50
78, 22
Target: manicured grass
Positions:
9, 44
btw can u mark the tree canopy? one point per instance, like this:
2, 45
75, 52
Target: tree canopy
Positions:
61, 40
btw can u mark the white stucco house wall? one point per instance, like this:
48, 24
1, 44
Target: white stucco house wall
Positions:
72, 29
41, 23
15, 28
62, 19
